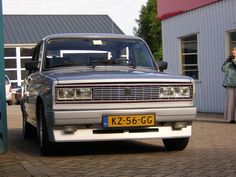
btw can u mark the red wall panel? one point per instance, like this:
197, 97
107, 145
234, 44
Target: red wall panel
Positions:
170, 8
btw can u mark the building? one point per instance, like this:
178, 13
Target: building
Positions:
197, 37
23, 32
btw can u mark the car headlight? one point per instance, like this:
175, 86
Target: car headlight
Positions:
74, 93
66, 94
174, 92
84, 93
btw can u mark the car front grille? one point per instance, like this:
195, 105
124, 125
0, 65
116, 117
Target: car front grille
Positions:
113, 93
125, 93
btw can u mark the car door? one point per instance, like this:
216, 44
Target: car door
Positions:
32, 84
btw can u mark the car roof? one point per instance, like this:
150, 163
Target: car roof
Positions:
91, 35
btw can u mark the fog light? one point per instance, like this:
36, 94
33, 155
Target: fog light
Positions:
69, 129
179, 125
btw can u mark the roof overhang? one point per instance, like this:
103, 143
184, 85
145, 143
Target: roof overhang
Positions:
19, 45
170, 8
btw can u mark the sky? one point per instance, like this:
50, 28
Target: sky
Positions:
122, 12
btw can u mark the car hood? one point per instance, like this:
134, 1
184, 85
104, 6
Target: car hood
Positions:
94, 76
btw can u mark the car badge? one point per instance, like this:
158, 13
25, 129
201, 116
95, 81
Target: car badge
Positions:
128, 91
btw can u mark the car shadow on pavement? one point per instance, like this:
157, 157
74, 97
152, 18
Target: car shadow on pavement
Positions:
114, 147
31, 147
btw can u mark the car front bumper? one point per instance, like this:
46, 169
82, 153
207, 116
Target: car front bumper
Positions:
58, 120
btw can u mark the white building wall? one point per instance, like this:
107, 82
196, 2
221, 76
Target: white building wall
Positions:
212, 24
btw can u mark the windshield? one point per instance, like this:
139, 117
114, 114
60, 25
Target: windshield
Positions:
94, 52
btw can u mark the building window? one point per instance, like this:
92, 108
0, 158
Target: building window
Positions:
15, 59
232, 39
189, 56
10, 63
12, 74
24, 73
10, 52
26, 51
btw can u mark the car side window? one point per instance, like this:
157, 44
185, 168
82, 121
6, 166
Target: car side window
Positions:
37, 57
38, 53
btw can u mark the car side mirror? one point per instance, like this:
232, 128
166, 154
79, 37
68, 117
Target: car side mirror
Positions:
32, 65
162, 65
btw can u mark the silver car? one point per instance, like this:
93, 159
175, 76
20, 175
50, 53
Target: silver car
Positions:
104, 87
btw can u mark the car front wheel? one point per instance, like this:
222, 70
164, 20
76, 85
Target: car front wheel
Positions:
175, 144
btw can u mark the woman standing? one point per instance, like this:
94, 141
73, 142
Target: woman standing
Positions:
229, 68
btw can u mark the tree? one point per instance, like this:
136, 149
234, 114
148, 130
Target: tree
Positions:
149, 28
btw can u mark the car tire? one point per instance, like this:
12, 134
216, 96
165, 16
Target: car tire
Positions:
29, 131
175, 144
45, 144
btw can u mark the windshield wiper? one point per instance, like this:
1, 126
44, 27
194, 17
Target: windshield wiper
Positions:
123, 61
63, 65
68, 64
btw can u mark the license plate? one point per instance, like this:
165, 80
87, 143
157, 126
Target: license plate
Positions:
141, 120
